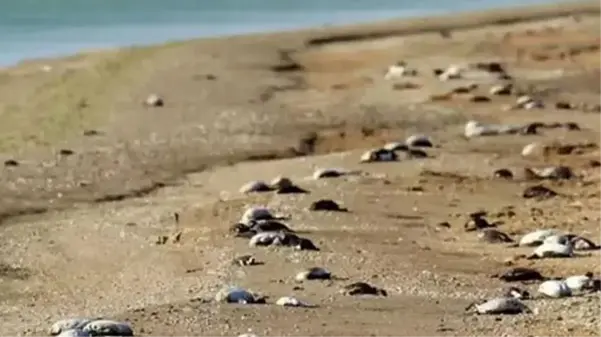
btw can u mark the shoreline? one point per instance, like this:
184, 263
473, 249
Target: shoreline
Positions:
285, 75
351, 31
112, 207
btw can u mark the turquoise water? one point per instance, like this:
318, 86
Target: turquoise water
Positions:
47, 28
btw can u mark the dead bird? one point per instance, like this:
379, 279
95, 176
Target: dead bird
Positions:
415, 154
300, 243
314, 273
498, 306
536, 238
538, 192
326, 205
476, 223
379, 155
241, 230
333, 173
578, 242
259, 213
239, 295
105, 327
501, 90
396, 146
255, 186
581, 243
503, 174
245, 260
551, 172
283, 185
76, 323
491, 235
552, 250
362, 288
288, 301
491, 67
258, 226
520, 274
265, 225
518, 293
418, 141
269, 238
154, 100
282, 238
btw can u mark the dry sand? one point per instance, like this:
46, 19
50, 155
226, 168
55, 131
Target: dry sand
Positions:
78, 231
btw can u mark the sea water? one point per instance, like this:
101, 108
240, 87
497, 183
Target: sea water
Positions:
50, 28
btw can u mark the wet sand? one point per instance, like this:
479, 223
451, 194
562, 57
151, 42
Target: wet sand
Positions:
79, 229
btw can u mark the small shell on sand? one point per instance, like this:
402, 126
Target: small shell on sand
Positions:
154, 100
255, 186
105, 327
69, 324
418, 141
314, 273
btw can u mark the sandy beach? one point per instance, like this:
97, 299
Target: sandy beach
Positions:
93, 176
